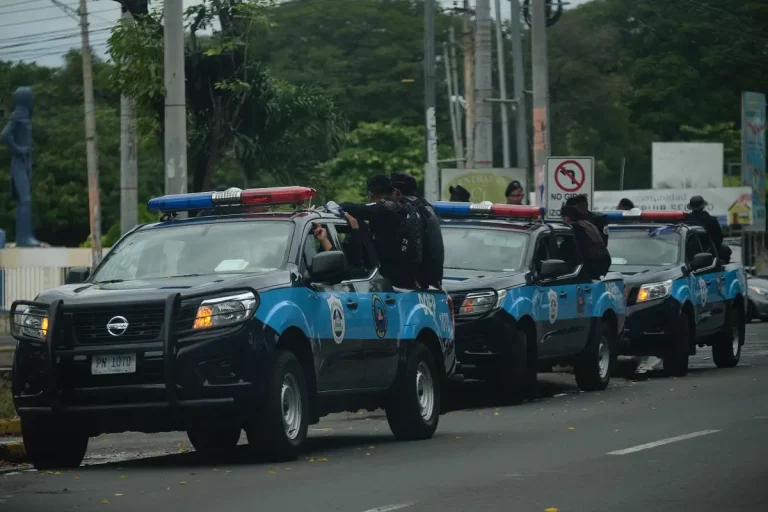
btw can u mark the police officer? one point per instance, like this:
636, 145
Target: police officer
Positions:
581, 203
699, 215
459, 194
397, 254
514, 192
597, 259
625, 204
430, 272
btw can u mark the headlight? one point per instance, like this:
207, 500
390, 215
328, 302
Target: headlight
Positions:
34, 323
758, 291
227, 310
482, 302
653, 291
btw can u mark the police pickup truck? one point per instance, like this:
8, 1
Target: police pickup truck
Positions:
522, 301
681, 295
218, 323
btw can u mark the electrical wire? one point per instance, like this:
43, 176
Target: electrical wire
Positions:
40, 20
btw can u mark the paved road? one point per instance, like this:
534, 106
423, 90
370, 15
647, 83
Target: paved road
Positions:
661, 444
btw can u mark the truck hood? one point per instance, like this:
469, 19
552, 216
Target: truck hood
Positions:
460, 280
636, 275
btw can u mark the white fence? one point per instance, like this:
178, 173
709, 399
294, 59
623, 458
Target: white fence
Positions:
25, 283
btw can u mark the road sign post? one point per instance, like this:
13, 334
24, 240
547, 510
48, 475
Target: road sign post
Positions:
568, 176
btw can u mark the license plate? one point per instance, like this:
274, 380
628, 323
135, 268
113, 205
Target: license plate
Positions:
113, 363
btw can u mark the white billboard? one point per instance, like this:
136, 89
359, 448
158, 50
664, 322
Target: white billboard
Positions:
687, 165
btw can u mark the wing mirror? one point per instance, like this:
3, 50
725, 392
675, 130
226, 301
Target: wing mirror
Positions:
77, 275
329, 267
702, 260
552, 268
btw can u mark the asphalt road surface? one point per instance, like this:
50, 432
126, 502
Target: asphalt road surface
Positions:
660, 444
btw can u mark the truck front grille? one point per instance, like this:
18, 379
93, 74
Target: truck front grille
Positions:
145, 323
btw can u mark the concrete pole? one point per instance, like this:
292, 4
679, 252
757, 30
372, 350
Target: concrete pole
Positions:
455, 104
518, 72
129, 198
502, 86
451, 110
468, 44
91, 141
175, 99
431, 177
541, 145
483, 86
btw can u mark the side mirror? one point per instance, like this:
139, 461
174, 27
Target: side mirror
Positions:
551, 268
702, 260
78, 275
329, 267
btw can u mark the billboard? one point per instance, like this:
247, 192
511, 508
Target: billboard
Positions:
482, 184
753, 154
687, 164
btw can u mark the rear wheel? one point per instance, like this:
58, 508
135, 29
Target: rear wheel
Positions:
726, 351
594, 365
48, 446
414, 407
279, 431
676, 357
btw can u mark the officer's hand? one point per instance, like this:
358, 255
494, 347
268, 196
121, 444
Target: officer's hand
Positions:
352, 221
320, 233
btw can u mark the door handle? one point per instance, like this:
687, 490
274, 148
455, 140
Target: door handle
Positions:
587, 290
563, 294
390, 301
708, 282
351, 304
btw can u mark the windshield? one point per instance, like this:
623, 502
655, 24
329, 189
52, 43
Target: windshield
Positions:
493, 250
198, 249
646, 248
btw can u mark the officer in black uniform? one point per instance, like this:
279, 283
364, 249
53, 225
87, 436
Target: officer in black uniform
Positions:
581, 203
699, 215
597, 259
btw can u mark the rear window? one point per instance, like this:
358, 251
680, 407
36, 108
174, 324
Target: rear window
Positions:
490, 250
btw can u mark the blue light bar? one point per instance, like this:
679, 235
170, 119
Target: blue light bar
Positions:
178, 202
637, 215
452, 208
487, 208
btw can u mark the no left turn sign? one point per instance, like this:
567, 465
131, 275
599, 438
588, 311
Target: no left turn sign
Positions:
568, 177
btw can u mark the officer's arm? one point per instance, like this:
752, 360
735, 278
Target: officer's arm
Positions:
7, 137
717, 232
362, 211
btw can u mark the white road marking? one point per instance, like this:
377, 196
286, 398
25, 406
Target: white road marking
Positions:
389, 508
662, 442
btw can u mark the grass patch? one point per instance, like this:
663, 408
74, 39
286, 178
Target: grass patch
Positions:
6, 400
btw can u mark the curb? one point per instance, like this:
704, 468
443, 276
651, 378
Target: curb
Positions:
13, 453
10, 427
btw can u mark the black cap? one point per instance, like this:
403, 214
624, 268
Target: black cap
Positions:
404, 182
579, 199
696, 203
459, 193
379, 184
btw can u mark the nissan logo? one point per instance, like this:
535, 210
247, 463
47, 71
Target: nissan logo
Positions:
117, 326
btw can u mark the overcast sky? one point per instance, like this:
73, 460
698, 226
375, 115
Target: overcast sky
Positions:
40, 31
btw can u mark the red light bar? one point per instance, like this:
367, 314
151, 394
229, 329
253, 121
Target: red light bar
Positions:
514, 210
636, 215
487, 208
277, 195
662, 215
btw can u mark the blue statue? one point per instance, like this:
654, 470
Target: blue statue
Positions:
17, 135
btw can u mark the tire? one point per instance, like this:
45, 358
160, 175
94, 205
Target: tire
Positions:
516, 378
215, 443
278, 433
726, 351
594, 365
49, 447
676, 357
414, 405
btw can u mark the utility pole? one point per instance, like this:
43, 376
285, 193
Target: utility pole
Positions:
483, 86
129, 198
91, 142
502, 86
468, 44
451, 94
175, 99
521, 131
431, 178
456, 106
541, 145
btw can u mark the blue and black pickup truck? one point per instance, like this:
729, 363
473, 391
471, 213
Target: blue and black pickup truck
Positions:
681, 294
522, 300
223, 322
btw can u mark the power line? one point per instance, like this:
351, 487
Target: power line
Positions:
49, 33
40, 20
56, 38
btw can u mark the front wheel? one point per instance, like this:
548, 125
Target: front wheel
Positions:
414, 406
49, 447
594, 365
726, 351
279, 431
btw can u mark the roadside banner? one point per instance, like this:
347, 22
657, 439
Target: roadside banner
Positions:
482, 184
753, 154
730, 206
568, 176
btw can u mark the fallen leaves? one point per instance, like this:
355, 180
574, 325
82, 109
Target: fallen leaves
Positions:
105, 502
571, 428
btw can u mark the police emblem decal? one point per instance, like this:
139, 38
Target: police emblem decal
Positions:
579, 301
379, 316
338, 322
553, 305
703, 291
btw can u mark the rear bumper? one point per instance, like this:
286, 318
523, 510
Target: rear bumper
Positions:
649, 327
216, 377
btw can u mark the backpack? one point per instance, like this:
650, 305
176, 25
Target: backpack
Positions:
596, 247
408, 231
430, 271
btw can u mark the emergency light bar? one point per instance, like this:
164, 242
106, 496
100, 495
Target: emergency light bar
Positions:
488, 209
637, 215
232, 197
